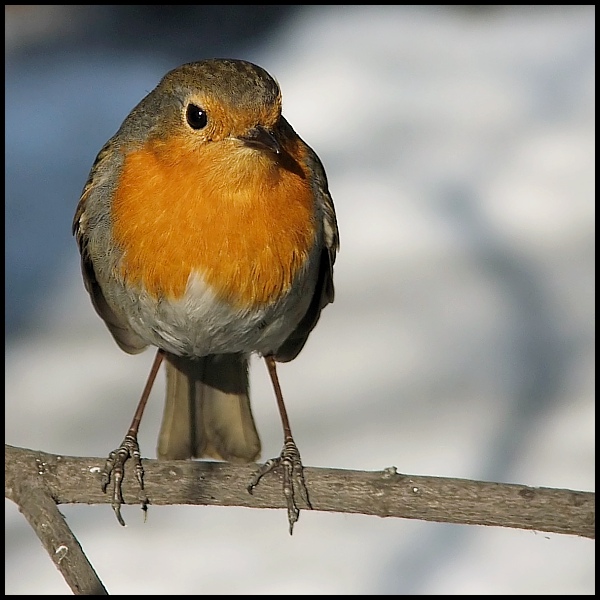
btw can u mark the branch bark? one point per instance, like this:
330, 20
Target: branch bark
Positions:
386, 493
37, 482
34, 499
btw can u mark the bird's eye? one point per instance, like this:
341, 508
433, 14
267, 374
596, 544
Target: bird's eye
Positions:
196, 117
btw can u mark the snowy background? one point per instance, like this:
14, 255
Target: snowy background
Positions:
459, 145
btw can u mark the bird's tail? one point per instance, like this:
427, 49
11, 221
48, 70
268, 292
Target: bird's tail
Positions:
207, 410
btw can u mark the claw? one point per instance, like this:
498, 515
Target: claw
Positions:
293, 479
115, 470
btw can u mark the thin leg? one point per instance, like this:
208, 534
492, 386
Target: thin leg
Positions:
289, 459
115, 464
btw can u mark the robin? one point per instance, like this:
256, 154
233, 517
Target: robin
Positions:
206, 229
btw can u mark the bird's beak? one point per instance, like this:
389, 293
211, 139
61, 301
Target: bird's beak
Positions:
260, 137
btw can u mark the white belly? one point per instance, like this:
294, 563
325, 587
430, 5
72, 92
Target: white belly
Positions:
200, 324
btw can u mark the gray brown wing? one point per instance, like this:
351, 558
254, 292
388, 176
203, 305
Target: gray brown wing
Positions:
118, 327
324, 289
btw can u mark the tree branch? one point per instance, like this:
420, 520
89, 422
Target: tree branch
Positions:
33, 497
384, 493
37, 482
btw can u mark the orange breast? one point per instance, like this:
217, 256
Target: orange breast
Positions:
233, 216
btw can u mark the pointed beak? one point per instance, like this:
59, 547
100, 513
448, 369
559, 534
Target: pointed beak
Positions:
260, 137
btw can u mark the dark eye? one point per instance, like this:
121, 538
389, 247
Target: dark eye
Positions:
196, 117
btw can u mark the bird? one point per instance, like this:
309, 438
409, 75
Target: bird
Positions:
207, 231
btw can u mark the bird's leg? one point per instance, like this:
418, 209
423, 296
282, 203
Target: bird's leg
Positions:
289, 459
115, 464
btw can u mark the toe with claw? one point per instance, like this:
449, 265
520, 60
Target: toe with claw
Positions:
293, 479
115, 470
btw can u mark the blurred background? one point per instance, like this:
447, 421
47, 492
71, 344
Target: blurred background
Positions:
459, 145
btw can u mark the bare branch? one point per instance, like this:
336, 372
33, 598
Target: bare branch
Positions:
35, 501
382, 493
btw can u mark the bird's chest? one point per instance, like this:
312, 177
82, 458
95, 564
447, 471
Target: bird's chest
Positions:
245, 230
